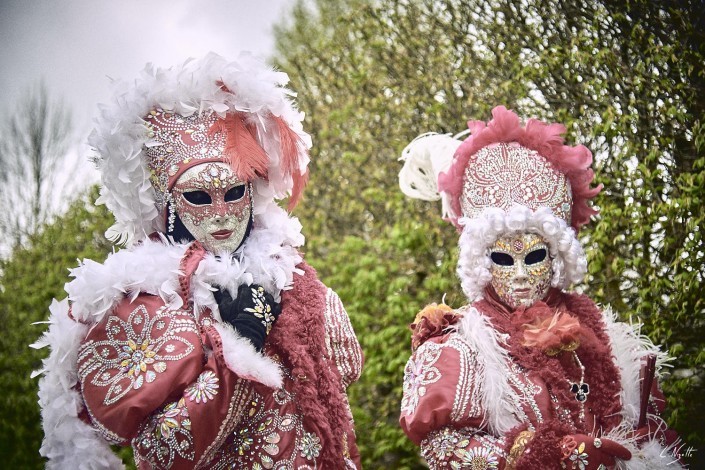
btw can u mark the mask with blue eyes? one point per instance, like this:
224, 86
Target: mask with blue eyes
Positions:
214, 206
521, 269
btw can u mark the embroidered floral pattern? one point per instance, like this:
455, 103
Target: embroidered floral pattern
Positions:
256, 443
579, 457
441, 445
204, 389
135, 351
418, 373
165, 435
310, 446
135, 358
476, 458
464, 448
262, 309
340, 340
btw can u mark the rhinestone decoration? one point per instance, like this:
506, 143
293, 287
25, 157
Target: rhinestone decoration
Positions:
505, 175
521, 283
176, 142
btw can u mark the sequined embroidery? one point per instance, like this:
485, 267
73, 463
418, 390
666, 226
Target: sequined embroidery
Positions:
466, 401
176, 140
255, 443
204, 388
341, 343
475, 458
505, 175
135, 351
261, 309
467, 448
165, 435
418, 374
440, 446
528, 391
310, 446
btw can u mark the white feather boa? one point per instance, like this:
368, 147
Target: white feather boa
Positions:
630, 349
476, 329
269, 258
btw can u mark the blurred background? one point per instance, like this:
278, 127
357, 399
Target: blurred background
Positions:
627, 78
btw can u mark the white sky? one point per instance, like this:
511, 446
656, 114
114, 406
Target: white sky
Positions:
75, 45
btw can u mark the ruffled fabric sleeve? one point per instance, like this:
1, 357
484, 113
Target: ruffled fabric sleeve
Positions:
441, 406
187, 430
341, 341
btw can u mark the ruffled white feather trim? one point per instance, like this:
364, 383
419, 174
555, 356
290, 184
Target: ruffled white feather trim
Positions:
476, 329
68, 441
192, 87
243, 359
268, 257
650, 455
630, 349
479, 233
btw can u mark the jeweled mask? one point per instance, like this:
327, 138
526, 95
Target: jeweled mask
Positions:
521, 269
214, 205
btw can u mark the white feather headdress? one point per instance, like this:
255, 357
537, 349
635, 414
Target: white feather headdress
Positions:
211, 84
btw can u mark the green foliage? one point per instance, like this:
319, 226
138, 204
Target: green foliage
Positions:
628, 81
30, 279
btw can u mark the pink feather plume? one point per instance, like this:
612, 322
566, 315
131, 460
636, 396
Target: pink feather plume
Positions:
244, 154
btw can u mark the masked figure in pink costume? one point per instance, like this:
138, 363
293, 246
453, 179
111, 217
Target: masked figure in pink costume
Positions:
208, 342
527, 375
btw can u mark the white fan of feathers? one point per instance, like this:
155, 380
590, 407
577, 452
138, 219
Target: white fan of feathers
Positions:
424, 159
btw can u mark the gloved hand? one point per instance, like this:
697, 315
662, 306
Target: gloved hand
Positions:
591, 452
252, 313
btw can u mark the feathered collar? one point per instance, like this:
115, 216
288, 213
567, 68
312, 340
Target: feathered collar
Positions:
594, 351
268, 257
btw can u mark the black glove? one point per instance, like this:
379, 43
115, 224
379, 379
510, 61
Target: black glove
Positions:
252, 313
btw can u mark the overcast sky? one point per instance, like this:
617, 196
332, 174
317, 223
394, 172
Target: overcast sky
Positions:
75, 45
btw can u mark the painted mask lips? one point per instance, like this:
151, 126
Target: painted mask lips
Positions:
522, 291
222, 234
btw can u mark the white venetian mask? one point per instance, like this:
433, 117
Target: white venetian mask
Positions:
521, 269
214, 205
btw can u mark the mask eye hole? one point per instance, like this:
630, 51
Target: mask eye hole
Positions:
198, 198
501, 259
235, 193
535, 256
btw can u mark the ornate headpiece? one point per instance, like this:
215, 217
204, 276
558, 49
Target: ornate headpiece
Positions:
204, 110
502, 164
503, 178
506, 174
